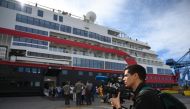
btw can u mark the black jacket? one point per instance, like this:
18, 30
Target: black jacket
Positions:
146, 99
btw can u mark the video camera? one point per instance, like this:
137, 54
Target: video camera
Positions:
113, 85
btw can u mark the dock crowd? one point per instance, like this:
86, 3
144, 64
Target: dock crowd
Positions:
79, 92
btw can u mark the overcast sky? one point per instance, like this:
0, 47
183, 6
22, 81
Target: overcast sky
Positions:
163, 24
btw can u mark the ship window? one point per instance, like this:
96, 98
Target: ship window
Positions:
31, 83
15, 6
20, 69
107, 74
61, 18
36, 22
115, 75
2, 52
45, 43
34, 70
24, 19
78, 32
83, 62
81, 33
96, 36
55, 17
28, 10
18, 17
91, 35
167, 71
91, 63
41, 32
15, 38
90, 73
11, 5
42, 23
68, 29
23, 28
113, 33
106, 39
85, 33
57, 26
34, 41
18, 7
37, 84
101, 38
46, 24
40, 13
74, 31
45, 33
29, 30
80, 73
87, 63
95, 64
149, 70
24, 9
4, 4
39, 70
27, 69
78, 62
99, 74
22, 39
35, 31
160, 71
30, 20
64, 72
74, 61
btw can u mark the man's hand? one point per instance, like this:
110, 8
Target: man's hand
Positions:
115, 102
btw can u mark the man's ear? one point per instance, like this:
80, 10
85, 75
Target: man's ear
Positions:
136, 75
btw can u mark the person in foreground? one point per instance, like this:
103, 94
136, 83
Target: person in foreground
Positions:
134, 78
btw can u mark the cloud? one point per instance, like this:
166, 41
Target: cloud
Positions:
170, 31
162, 24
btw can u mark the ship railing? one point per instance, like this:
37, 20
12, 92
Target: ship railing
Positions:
134, 41
126, 45
148, 51
52, 9
149, 61
125, 36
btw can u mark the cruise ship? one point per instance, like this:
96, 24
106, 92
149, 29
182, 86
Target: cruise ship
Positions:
41, 46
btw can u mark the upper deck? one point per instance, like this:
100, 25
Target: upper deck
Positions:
61, 19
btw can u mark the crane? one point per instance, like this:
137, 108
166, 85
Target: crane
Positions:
182, 69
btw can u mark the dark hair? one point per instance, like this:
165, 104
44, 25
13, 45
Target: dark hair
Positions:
140, 70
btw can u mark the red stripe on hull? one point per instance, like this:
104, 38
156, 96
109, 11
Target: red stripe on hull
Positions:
130, 60
157, 78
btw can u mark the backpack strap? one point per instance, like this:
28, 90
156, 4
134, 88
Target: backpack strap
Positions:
152, 91
145, 89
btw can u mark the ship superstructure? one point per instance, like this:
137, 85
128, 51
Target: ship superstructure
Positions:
40, 45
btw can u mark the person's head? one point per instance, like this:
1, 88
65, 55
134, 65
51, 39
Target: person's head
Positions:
133, 75
68, 83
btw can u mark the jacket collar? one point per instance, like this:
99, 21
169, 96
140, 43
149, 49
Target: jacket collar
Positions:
138, 89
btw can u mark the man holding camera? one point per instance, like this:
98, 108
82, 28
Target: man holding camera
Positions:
134, 78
